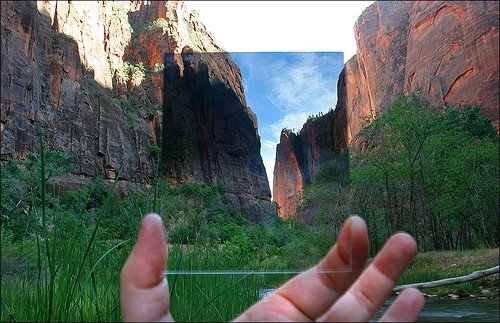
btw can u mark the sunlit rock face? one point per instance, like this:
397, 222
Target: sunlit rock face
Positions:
447, 52
300, 157
91, 74
289, 173
444, 51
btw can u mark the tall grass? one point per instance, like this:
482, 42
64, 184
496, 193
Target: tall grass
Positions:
68, 268
65, 264
211, 298
69, 283
215, 294
96, 298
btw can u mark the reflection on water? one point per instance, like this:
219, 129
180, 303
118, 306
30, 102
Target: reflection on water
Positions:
446, 310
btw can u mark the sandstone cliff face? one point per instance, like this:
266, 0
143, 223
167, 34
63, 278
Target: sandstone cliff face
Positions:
91, 74
290, 173
61, 79
464, 67
444, 51
300, 157
210, 133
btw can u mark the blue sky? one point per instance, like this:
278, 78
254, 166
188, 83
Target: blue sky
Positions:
284, 88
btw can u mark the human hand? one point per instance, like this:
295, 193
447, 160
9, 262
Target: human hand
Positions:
313, 295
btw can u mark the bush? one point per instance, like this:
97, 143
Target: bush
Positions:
20, 185
158, 23
134, 69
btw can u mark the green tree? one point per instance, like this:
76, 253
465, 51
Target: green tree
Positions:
431, 173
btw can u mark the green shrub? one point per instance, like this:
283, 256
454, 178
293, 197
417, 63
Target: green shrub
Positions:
158, 23
159, 67
133, 68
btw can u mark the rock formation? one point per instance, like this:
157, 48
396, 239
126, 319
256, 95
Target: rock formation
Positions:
210, 134
91, 74
290, 173
444, 51
300, 157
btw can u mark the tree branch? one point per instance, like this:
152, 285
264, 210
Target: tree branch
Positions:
448, 281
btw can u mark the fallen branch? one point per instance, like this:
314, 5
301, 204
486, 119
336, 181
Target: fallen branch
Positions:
449, 281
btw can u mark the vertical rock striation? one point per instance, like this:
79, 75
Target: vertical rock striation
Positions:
444, 51
63, 76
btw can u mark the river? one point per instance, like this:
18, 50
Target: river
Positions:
439, 309
460, 310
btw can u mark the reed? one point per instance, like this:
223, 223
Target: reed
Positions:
72, 280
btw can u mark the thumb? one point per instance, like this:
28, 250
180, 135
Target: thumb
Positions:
143, 288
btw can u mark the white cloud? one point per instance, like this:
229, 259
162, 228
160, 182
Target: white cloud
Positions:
269, 144
292, 121
300, 91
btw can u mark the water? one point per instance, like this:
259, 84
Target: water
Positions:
446, 310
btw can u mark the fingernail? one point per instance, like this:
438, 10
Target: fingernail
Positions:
154, 217
356, 223
150, 222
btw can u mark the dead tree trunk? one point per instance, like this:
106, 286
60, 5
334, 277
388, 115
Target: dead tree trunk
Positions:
449, 281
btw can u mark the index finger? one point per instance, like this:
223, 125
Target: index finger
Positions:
314, 291
366, 296
311, 293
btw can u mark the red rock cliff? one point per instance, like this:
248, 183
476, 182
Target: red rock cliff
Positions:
444, 51
300, 157
91, 74
290, 173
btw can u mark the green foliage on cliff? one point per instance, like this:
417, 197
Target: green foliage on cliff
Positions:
135, 69
119, 13
157, 24
159, 67
64, 37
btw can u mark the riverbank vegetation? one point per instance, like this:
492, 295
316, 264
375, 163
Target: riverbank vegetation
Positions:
431, 173
435, 265
62, 253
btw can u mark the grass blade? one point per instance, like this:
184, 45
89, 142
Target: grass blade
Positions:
101, 258
13, 319
218, 295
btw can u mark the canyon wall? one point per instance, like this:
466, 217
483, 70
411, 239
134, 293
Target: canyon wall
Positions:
446, 52
300, 157
91, 75
209, 134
